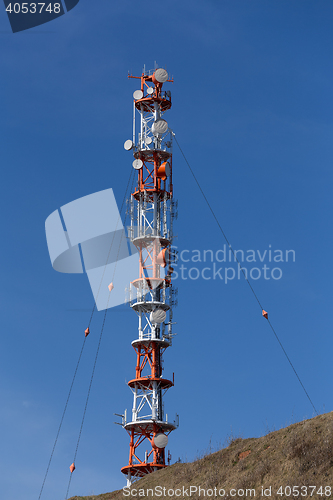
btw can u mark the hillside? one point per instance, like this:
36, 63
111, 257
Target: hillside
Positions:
300, 455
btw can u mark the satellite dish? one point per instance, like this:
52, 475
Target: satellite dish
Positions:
168, 93
157, 316
163, 257
138, 94
148, 140
128, 145
150, 90
137, 164
160, 440
167, 168
160, 127
161, 75
164, 170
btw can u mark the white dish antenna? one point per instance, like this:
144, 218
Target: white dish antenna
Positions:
128, 145
157, 316
137, 164
160, 440
138, 94
150, 90
160, 127
161, 75
148, 140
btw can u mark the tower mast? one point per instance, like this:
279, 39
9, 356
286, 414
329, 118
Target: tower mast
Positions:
152, 296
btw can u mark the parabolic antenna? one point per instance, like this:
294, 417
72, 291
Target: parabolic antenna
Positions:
160, 75
167, 168
138, 94
128, 145
160, 440
137, 164
148, 140
164, 170
157, 316
160, 127
163, 257
150, 90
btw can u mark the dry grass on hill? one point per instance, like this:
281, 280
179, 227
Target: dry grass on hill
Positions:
300, 455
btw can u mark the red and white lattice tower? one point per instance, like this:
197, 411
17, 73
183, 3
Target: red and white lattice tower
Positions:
152, 211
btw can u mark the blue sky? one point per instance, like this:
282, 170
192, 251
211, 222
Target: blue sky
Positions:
252, 110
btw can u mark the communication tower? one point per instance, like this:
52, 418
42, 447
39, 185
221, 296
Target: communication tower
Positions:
152, 296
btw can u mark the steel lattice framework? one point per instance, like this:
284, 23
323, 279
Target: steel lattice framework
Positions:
152, 295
